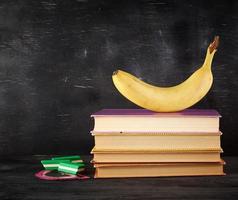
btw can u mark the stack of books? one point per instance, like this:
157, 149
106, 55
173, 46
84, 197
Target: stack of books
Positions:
142, 143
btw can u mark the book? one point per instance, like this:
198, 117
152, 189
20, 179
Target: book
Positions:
121, 170
74, 159
52, 164
153, 156
142, 120
157, 140
71, 168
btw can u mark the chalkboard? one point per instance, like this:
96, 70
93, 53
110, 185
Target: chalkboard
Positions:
57, 58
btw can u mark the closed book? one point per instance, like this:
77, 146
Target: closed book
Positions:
74, 159
152, 156
157, 140
123, 120
52, 164
120, 170
71, 168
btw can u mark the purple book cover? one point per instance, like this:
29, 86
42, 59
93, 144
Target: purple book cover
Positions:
144, 112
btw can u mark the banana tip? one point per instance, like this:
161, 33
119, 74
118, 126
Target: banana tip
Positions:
115, 72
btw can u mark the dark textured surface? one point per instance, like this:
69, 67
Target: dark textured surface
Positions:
57, 57
18, 182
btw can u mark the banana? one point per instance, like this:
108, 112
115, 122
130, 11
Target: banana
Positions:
168, 99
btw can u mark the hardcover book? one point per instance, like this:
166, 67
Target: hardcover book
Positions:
153, 156
157, 140
126, 120
157, 170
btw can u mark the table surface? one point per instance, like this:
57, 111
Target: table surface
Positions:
18, 182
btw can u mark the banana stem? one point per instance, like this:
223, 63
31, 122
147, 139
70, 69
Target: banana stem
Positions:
210, 53
213, 46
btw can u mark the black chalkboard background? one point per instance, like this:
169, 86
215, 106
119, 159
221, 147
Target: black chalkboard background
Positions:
57, 57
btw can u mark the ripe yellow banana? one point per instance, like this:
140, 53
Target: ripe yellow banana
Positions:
168, 99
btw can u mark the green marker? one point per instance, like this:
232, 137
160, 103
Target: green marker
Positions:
71, 168
52, 164
73, 159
